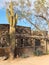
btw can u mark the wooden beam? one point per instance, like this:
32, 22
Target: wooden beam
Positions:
32, 36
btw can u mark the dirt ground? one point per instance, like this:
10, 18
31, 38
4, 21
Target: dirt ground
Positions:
41, 60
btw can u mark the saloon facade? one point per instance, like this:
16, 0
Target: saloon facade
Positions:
27, 41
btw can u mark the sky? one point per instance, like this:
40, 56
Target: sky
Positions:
3, 18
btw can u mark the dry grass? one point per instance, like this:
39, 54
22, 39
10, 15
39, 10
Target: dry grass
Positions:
41, 60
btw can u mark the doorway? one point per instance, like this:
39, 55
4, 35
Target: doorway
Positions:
37, 43
21, 42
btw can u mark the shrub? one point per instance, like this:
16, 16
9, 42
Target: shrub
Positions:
38, 52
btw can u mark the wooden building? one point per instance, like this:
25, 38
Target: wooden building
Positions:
27, 41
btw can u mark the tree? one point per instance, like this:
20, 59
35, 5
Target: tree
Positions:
41, 9
24, 10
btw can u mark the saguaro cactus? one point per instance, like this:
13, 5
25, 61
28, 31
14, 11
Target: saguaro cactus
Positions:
12, 19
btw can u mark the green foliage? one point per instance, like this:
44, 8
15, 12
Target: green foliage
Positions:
38, 52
